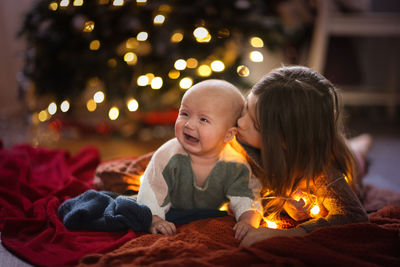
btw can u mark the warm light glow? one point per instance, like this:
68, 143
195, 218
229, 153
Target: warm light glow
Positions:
78, 2
256, 42
141, 178
150, 76
141, 2
64, 3
98, 97
94, 45
43, 116
205, 39
112, 62
132, 105
186, 83
143, 80
130, 58
91, 105
180, 64
174, 74
132, 43
103, 2
204, 71
271, 224
200, 33
118, 2
142, 36
224, 207
346, 178
256, 56
89, 26
156, 83
217, 66
192, 63
243, 71
52, 108
159, 19
113, 113
65, 106
315, 210
53, 6
177, 37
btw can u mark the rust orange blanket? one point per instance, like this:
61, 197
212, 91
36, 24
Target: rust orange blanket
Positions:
210, 242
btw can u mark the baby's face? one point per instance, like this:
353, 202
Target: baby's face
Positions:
203, 122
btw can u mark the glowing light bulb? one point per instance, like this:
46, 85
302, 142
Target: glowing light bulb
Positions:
204, 71
180, 64
156, 83
186, 83
118, 2
98, 97
192, 63
243, 71
64, 3
224, 207
217, 66
53, 6
130, 58
200, 33
91, 105
43, 115
174, 74
142, 36
113, 113
315, 210
256, 56
94, 45
52, 108
132, 43
132, 105
177, 37
89, 26
159, 19
143, 80
271, 224
256, 42
65, 106
78, 2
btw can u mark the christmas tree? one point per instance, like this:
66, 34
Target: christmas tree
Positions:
147, 52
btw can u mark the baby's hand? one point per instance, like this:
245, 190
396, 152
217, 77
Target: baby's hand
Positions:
241, 228
298, 210
159, 225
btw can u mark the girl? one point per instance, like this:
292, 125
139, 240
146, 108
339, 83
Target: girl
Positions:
291, 130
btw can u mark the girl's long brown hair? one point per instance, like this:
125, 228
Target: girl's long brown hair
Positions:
302, 132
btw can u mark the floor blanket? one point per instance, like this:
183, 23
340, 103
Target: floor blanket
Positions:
211, 242
34, 182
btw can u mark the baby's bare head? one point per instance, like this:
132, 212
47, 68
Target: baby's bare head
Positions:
227, 97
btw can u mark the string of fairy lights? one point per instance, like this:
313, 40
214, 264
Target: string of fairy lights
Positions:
134, 46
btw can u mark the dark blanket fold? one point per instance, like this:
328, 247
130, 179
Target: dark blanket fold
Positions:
33, 184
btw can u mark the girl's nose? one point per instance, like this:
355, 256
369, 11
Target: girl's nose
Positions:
188, 124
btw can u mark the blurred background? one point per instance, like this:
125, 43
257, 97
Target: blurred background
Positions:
110, 73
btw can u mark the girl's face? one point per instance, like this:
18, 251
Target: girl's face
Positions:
248, 129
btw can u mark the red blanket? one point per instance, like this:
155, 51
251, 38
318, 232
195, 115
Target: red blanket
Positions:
210, 242
33, 183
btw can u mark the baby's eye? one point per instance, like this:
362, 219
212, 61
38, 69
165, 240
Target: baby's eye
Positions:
183, 113
203, 120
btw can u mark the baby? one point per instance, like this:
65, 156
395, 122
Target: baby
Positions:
200, 169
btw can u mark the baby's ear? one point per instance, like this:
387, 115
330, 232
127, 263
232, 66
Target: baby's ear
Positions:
230, 134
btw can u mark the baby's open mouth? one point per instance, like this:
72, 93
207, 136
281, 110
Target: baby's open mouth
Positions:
191, 138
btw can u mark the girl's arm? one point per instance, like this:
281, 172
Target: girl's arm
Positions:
263, 233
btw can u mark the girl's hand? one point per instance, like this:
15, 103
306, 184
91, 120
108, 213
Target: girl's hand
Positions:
159, 225
297, 209
254, 236
241, 229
